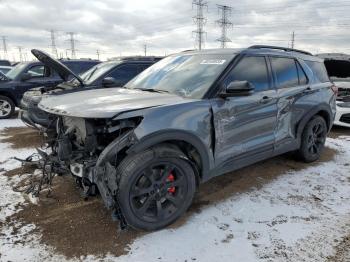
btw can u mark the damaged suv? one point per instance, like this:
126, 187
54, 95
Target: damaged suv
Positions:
188, 118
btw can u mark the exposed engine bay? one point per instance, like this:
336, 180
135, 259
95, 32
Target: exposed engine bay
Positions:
90, 150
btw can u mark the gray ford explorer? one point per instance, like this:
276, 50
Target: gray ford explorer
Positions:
186, 119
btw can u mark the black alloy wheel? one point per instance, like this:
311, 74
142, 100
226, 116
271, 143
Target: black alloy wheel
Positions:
313, 139
156, 187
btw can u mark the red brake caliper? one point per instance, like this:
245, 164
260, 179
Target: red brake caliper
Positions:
171, 178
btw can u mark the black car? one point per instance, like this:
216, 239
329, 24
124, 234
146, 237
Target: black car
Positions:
27, 75
190, 117
112, 73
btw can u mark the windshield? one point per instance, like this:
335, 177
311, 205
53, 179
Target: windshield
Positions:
186, 75
15, 71
96, 72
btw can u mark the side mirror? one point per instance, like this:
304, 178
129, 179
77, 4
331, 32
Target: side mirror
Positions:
111, 81
26, 76
238, 88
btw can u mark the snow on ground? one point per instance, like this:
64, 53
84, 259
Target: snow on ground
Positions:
299, 216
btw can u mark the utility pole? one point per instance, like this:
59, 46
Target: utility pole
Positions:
145, 49
200, 21
53, 43
20, 53
72, 44
293, 40
98, 54
224, 23
4, 46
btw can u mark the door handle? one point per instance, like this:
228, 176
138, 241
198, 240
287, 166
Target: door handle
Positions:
265, 99
307, 90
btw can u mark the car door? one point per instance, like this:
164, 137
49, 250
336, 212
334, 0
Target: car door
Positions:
244, 125
292, 85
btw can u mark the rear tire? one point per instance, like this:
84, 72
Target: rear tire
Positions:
313, 139
156, 187
7, 107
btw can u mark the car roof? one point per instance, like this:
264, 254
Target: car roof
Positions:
79, 61
259, 49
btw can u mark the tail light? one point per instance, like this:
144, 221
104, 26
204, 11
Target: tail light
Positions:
335, 89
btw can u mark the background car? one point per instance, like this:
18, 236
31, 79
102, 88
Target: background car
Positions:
112, 73
27, 75
4, 62
338, 68
5, 69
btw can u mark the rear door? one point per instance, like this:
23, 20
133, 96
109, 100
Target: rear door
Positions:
292, 85
244, 126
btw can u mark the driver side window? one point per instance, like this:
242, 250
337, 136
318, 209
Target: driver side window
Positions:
37, 71
252, 69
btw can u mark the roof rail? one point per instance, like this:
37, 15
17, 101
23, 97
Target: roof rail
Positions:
279, 48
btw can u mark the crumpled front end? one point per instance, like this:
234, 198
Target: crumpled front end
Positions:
90, 149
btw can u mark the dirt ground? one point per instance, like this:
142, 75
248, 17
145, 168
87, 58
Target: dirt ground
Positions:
75, 228
21, 137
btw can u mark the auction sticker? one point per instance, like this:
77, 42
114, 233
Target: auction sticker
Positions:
213, 62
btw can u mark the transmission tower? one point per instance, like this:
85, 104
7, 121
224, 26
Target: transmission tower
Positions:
53, 43
72, 44
98, 54
224, 23
293, 40
4, 46
200, 21
20, 53
145, 49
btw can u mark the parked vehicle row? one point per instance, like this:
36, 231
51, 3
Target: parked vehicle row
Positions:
102, 75
27, 75
146, 146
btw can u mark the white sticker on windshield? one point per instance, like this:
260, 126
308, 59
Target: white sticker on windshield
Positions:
213, 62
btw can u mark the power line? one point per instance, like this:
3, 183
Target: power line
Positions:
200, 21
53, 43
224, 23
4, 46
72, 44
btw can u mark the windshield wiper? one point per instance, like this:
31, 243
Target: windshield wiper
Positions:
153, 90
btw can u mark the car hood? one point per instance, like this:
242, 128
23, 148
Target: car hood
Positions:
63, 71
106, 103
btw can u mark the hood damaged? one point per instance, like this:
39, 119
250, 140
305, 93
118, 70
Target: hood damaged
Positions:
106, 103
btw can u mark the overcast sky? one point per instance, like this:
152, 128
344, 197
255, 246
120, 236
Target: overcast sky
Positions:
123, 27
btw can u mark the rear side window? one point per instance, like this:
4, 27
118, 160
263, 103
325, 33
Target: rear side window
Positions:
319, 71
124, 73
252, 69
286, 71
79, 67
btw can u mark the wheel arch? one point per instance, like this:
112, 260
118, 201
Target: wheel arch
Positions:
9, 95
321, 110
185, 141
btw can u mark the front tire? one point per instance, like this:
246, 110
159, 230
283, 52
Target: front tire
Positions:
156, 187
313, 139
7, 107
